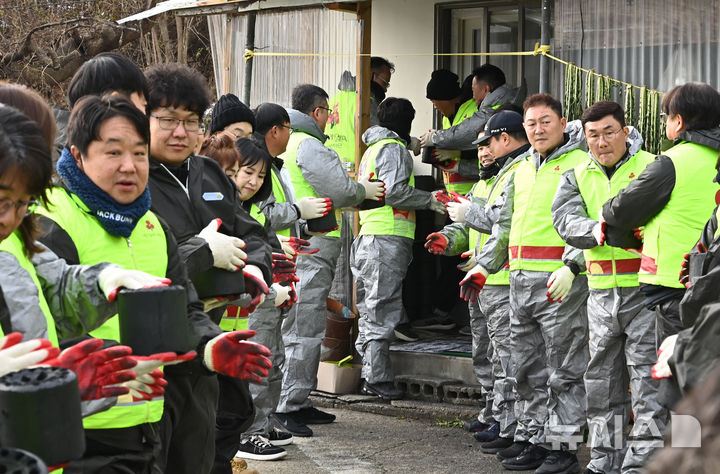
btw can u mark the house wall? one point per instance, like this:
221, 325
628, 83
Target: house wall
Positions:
407, 27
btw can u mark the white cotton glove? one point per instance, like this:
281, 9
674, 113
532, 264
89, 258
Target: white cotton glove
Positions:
282, 293
312, 207
427, 139
661, 369
113, 278
226, 250
255, 279
214, 302
287, 248
598, 231
435, 204
414, 146
374, 190
469, 264
559, 284
457, 210
16, 355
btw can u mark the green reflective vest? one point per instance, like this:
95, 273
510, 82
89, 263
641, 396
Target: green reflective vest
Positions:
455, 181
145, 250
280, 197
13, 245
534, 243
676, 228
607, 266
385, 220
341, 126
502, 277
301, 187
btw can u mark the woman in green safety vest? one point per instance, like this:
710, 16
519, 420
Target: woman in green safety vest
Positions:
381, 254
248, 166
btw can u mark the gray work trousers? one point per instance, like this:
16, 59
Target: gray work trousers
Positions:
379, 264
482, 360
622, 352
495, 304
304, 326
549, 343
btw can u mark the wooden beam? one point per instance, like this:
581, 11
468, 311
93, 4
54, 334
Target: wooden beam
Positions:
362, 81
342, 7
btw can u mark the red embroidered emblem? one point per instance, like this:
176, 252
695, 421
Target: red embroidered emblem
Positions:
557, 168
632, 175
149, 225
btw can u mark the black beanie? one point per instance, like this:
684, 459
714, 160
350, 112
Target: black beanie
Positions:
227, 110
443, 85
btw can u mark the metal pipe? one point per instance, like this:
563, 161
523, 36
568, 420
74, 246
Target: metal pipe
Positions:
250, 45
545, 39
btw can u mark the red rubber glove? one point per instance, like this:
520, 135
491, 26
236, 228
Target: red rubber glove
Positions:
17, 355
473, 282
302, 246
98, 370
436, 243
283, 268
599, 232
255, 286
147, 386
293, 297
685, 271
230, 354
147, 364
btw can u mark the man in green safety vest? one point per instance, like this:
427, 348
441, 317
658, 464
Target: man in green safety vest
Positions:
340, 128
504, 138
382, 252
459, 168
673, 198
548, 323
103, 215
315, 171
490, 91
622, 343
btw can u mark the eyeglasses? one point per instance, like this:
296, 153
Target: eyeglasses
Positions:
169, 123
324, 108
288, 126
663, 117
608, 136
387, 83
7, 204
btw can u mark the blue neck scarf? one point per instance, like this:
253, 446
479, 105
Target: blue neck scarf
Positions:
117, 219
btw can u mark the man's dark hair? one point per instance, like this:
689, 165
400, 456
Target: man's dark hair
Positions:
397, 115
377, 64
268, 115
543, 99
696, 102
175, 85
489, 74
602, 109
92, 111
25, 157
308, 97
107, 72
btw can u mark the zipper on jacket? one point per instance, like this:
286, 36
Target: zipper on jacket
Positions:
132, 254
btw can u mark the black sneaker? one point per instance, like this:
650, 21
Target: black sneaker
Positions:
475, 425
278, 437
490, 434
442, 323
384, 390
405, 333
313, 416
513, 450
496, 445
288, 423
532, 457
559, 462
259, 448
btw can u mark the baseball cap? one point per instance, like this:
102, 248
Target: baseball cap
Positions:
503, 121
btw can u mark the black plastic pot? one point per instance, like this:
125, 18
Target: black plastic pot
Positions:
371, 203
18, 461
427, 155
153, 320
40, 413
325, 223
219, 282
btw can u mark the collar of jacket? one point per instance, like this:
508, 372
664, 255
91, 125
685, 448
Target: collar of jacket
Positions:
707, 137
